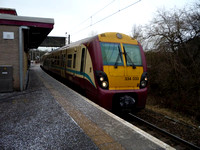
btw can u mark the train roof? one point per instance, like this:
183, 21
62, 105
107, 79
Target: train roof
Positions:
102, 35
77, 43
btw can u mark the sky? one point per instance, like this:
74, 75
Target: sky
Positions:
84, 18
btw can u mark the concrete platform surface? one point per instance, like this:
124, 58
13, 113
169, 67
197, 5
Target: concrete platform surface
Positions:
49, 115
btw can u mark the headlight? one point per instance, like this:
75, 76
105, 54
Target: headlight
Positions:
143, 84
104, 84
102, 79
144, 80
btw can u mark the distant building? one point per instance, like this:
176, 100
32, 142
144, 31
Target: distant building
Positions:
18, 34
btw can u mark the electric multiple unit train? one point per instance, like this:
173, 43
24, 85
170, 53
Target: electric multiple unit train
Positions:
110, 68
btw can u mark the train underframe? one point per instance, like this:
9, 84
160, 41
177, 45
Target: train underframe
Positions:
120, 100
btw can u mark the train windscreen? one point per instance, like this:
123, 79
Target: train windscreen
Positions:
111, 54
132, 55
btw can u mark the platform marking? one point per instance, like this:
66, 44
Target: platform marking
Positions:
97, 135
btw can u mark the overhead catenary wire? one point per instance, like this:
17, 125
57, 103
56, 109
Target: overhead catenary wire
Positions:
120, 10
97, 12
117, 12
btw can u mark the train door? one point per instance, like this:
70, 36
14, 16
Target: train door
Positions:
82, 66
87, 73
83, 61
63, 63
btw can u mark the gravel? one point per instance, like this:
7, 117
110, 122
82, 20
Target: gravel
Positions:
34, 120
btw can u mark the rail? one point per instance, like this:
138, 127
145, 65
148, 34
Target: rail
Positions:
186, 143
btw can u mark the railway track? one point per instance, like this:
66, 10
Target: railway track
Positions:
162, 134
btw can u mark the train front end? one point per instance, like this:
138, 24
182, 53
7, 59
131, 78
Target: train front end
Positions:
123, 80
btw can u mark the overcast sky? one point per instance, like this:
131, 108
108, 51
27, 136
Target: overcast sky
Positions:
81, 18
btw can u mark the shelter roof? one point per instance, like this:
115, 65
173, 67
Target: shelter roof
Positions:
39, 28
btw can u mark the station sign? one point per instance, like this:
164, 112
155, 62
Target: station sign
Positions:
8, 35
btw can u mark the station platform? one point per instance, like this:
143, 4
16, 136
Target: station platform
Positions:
49, 115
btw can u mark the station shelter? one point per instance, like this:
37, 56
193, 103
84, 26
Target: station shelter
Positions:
19, 34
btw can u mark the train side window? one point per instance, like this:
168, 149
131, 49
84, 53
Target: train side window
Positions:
52, 60
55, 63
82, 59
64, 60
69, 56
74, 62
61, 62
58, 60
69, 60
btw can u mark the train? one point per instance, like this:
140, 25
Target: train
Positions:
110, 68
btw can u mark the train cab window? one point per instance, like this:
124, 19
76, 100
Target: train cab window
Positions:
74, 61
111, 54
132, 55
69, 60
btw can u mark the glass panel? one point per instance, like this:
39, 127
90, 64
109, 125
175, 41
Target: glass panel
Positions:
69, 60
69, 63
69, 56
74, 63
82, 59
111, 53
133, 55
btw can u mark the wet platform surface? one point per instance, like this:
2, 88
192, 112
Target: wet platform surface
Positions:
49, 115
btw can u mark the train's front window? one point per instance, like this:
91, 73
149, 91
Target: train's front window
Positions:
111, 54
133, 55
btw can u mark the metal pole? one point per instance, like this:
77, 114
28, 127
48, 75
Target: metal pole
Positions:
69, 39
21, 56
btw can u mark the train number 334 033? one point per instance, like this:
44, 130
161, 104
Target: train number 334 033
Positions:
131, 78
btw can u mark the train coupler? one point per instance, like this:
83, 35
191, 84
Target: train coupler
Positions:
126, 102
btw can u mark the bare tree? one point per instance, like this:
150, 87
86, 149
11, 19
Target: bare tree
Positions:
138, 34
175, 69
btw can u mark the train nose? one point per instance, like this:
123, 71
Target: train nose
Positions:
126, 102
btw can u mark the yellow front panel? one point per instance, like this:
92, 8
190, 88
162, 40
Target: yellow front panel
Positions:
123, 78
112, 37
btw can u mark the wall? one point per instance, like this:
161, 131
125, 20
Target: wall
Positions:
9, 52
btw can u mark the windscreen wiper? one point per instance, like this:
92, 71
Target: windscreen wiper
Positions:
129, 59
119, 54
